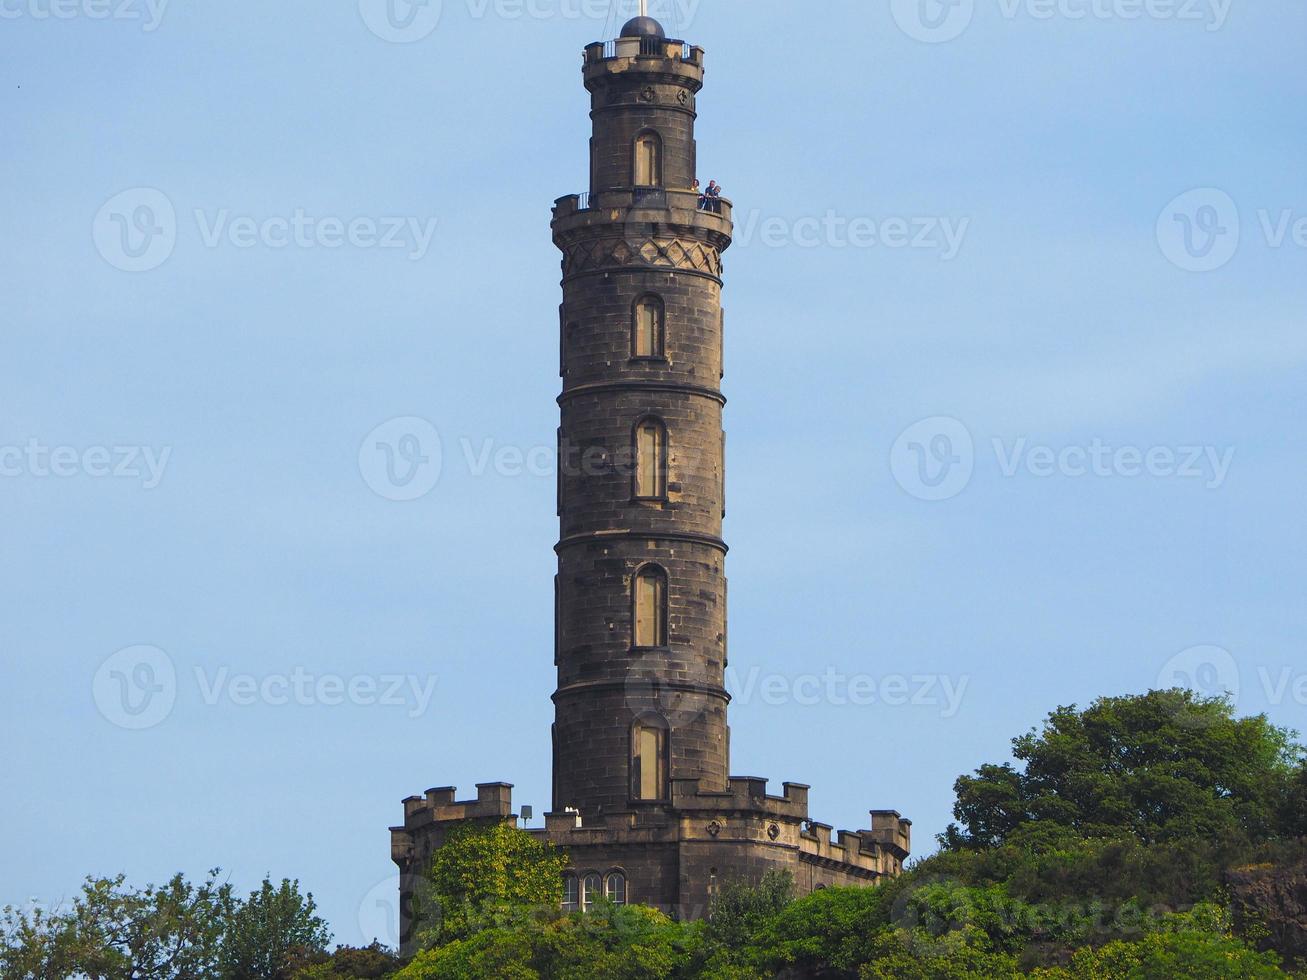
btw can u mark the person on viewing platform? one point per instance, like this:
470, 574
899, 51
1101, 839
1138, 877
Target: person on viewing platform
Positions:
714, 195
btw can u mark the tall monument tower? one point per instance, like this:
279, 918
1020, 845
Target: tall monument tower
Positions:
642, 798
641, 631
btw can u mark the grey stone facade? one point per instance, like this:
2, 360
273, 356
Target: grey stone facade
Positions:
625, 244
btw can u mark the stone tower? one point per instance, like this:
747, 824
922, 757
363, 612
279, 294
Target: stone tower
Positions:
641, 613
643, 801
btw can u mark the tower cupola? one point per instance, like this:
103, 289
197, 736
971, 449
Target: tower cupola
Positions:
643, 27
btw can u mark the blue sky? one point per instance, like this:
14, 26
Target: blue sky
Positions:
1061, 460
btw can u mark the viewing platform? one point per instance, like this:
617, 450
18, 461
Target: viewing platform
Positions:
675, 61
651, 218
644, 198
643, 47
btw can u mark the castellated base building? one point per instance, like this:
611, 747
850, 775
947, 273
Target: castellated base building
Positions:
643, 801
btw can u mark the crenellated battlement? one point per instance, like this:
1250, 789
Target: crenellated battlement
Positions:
744, 803
494, 802
880, 850
633, 64
892, 830
628, 204
867, 849
743, 793
745, 812
733, 833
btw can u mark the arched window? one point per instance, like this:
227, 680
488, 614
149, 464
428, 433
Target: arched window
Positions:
592, 889
570, 885
615, 887
648, 320
648, 160
649, 759
650, 439
565, 338
649, 599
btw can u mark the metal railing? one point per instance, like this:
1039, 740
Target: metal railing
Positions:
650, 47
653, 198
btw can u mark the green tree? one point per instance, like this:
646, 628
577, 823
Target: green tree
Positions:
36, 944
1193, 955
369, 963
1168, 765
1295, 808
611, 942
740, 910
113, 932
833, 928
484, 874
961, 955
267, 929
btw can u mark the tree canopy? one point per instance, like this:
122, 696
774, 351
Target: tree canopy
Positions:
176, 931
483, 873
1165, 766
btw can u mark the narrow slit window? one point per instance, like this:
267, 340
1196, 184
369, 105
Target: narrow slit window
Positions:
564, 347
648, 160
651, 608
649, 761
648, 328
651, 460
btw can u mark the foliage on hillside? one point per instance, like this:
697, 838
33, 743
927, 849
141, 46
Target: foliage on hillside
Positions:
1143, 838
488, 874
1160, 767
1105, 853
177, 931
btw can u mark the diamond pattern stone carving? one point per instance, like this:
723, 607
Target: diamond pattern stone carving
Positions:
671, 253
